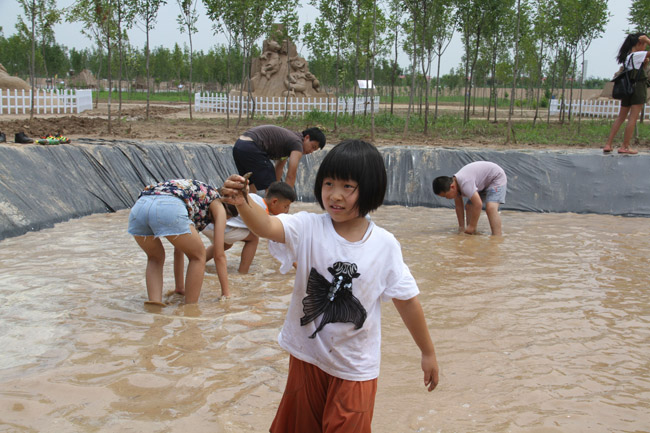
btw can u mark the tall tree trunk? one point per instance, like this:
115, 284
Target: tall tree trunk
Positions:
189, 89
110, 73
540, 81
515, 72
32, 69
338, 83
356, 63
120, 49
412, 93
372, 70
148, 56
393, 75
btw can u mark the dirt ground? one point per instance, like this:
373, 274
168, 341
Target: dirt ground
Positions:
170, 122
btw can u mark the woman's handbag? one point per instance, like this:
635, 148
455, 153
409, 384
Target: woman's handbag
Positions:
625, 83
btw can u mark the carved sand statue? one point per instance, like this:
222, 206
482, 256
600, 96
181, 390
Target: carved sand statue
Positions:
271, 59
12, 83
280, 71
85, 79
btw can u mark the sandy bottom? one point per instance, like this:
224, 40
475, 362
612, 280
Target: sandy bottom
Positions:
544, 330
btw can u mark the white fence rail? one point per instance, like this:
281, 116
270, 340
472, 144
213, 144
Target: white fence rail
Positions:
278, 106
593, 108
45, 101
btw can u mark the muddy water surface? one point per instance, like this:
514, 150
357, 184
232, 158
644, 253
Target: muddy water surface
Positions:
544, 330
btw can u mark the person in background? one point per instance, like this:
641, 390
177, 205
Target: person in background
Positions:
255, 149
277, 199
633, 54
480, 182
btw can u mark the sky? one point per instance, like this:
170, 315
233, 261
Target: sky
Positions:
599, 57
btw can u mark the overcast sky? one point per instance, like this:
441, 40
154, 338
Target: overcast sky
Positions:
599, 56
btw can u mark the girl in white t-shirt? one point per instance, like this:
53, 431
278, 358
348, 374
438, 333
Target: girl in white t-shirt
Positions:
346, 265
632, 55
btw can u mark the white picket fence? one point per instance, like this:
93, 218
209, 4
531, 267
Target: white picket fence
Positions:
45, 101
592, 108
278, 106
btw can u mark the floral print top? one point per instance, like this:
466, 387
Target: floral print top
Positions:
196, 195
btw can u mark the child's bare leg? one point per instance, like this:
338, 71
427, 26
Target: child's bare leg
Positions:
192, 246
155, 252
492, 211
469, 216
631, 123
179, 272
248, 252
622, 114
209, 253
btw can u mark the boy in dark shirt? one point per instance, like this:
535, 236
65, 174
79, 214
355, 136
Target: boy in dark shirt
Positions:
257, 147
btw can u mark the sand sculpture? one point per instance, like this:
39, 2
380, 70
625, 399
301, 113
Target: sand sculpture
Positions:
84, 79
12, 83
280, 71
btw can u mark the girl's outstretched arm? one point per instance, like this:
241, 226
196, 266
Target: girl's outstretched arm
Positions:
256, 219
413, 317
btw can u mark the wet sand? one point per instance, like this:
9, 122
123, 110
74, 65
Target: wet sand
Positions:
544, 330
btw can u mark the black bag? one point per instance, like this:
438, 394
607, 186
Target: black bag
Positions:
624, 83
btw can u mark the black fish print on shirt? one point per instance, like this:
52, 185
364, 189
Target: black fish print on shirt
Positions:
334, 300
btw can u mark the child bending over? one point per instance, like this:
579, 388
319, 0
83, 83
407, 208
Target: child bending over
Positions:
277, 199
178, 210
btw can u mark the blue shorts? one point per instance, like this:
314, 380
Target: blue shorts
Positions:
159, 216
494, 194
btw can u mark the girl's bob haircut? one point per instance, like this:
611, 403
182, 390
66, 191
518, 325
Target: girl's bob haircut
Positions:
358, 161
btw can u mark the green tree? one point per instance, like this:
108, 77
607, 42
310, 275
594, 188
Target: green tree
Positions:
640, 15
148, 13
99, 23
187, 23
327, 35
246, 21
30, 7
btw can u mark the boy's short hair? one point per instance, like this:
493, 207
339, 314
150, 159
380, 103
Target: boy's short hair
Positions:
358, 161
315, 134
281, 190
442, 184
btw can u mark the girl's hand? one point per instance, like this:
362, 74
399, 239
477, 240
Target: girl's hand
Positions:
234, 190
431, 371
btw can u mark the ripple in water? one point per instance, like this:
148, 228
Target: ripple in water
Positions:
546, 329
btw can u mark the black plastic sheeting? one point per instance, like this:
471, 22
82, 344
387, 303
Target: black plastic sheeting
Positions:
43, 185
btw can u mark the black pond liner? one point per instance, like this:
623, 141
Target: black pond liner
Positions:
43, 185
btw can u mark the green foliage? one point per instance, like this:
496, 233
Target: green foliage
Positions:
640, 15
450, 128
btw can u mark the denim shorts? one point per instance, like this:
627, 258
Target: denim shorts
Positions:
494, 194
159, 216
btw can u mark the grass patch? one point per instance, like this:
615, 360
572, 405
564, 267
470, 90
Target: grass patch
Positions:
586, 133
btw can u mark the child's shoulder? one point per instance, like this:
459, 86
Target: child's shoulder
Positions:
383, 234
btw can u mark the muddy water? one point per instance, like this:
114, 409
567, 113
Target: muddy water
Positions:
544, 330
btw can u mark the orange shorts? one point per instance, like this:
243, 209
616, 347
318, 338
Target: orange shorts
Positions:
314, 401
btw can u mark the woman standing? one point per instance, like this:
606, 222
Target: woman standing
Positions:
632, 55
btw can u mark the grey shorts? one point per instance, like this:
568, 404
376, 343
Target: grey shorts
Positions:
494, 194
159, 216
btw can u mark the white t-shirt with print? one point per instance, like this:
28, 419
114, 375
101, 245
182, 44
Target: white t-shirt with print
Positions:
338, 348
